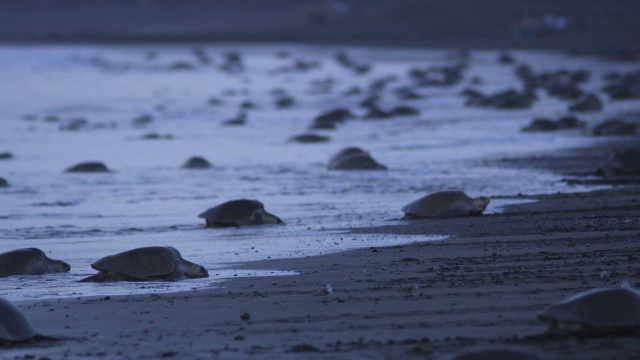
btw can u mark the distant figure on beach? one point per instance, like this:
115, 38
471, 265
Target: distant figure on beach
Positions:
553, 25
337, 8
331, 10
315, 15
548, 25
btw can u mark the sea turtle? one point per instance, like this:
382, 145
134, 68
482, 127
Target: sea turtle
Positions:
445, 203
545, 124
284, 101
88, 167
495, 353
196, 162
506, 57
597, 311
14, 326
375, 112
353, 158
29, 261
144, 264
614, 127
622, 162
328, 120
587, 102
3, 182
404, 110
240, 119
237, 213
6, 155
309, 138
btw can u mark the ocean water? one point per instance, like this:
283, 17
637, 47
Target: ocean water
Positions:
149, 200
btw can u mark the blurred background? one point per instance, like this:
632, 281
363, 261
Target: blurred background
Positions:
579, 25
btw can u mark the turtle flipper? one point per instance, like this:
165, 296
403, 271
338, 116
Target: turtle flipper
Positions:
107, 276
99, 277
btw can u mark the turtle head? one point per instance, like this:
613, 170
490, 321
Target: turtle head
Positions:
201, 271
263, 217
61, 266
277, 220
480, 203
192, 270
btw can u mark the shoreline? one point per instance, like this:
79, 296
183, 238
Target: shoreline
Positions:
483, 287
625, 51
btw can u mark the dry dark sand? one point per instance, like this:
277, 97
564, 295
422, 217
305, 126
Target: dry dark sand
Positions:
483, 287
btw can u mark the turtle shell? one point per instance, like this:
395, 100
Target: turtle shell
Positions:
88, 167
598, 310
239, 212
353, 158
141, 263
14, 326
443, 203
345, 153
196, 162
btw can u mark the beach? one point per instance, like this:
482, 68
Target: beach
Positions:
481, 288
346, 277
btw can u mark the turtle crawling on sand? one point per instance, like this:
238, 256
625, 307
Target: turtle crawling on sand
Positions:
237, 213
145, 264
14, 326
445, 203
595, 312
29, 261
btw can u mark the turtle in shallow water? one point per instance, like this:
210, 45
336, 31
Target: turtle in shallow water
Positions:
14, 326
145, 264
196, 162
29, 261
594, 312
88, 167
3, 182
445, 203
237, 213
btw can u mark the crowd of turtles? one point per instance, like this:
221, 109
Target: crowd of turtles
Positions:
599, 311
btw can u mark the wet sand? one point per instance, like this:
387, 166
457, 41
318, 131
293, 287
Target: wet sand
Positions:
483, 287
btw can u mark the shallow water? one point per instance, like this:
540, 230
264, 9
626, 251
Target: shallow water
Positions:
149, 200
